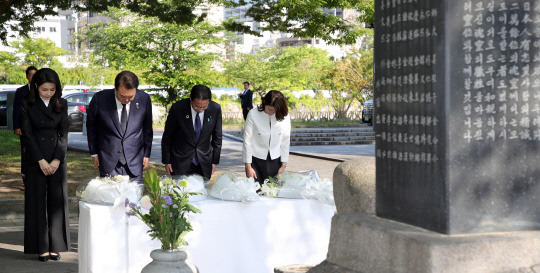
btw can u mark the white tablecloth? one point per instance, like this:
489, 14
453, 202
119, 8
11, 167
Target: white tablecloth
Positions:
228, 237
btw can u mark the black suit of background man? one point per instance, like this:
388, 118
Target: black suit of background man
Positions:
246, 100
179, 143
17, 103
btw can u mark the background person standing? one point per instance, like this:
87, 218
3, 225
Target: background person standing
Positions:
119, 128
44, 125
17, 102
246, 100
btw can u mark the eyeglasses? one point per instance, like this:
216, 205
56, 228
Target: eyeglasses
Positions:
200, 107
196, 107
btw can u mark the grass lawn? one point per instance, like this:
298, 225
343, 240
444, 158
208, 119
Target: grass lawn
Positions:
80, 167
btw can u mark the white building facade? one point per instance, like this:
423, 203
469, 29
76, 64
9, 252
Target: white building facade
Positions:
50, 27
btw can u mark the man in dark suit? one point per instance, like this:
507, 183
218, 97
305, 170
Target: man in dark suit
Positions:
17, 102
119, 128
246, 100
191, 142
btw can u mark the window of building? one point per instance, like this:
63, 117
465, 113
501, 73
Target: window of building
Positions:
52, 29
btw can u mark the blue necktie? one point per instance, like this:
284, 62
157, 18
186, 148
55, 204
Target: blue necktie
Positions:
123, 126
197, 135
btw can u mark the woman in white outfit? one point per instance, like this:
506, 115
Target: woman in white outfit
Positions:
267, 138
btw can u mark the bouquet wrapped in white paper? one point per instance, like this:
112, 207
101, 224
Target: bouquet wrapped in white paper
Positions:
234, 187
195, 184
110, 190
298, 185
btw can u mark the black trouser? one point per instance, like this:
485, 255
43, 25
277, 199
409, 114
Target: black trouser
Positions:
193, 169
265, 168
23, 162
123, 169
45, 208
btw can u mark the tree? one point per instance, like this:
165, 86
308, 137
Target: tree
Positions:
306, 18
302, 18
305, 66
292, 68
342, 96
19, 16
349, 80
7, 66
39, 52
263, 70
359, 74
169, 53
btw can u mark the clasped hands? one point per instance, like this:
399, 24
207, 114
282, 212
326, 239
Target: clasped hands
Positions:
49, 168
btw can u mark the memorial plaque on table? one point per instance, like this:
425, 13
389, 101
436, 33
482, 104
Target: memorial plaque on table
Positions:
457, 114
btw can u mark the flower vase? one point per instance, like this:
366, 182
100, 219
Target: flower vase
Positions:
170, 261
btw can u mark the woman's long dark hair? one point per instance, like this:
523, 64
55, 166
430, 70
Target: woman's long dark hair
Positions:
275, 99
45, 75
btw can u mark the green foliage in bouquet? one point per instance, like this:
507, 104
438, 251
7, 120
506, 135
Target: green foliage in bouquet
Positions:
167, 205
271, 187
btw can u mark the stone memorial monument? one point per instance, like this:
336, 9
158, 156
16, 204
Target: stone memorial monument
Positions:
457, 122
458, 114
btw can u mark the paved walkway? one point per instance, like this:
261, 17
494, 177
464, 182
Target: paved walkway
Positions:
231, 153
12, 258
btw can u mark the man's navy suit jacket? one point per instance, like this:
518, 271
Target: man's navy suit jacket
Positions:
178, 145
104, 134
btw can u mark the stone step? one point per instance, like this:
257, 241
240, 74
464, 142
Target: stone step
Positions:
331, 138
326, 136
321, 131
319, 143
334, 134
332, 130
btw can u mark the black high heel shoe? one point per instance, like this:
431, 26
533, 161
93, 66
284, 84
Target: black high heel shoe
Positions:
55, 257
43, 258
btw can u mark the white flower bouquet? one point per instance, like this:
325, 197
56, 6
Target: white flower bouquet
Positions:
234, 187
298, 185
110, 190
196, 183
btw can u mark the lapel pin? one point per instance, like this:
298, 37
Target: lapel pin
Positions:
187, 116
137, 104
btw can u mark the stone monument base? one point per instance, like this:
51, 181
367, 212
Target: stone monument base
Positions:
363, 243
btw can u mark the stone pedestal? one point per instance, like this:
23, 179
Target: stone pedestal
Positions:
365, 243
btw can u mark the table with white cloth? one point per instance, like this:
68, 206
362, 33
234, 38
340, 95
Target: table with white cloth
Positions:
227, 237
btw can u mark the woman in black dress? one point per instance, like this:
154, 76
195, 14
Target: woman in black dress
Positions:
44, 126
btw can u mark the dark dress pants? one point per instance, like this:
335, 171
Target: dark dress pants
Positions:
265, 168
193, 169
123, 169
23, 164
46, 226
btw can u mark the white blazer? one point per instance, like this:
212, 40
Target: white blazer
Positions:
264, 134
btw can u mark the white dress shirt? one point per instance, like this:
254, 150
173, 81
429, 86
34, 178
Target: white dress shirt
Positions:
119, 111
119, 108
263, 134
45, 101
